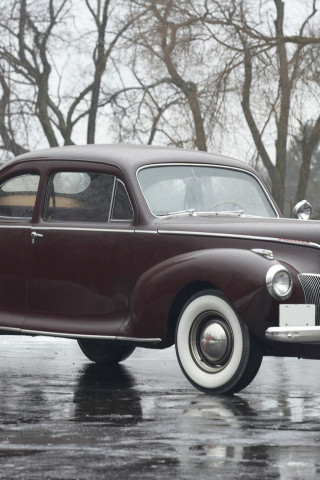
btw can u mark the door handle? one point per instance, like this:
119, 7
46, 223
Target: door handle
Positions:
35, 235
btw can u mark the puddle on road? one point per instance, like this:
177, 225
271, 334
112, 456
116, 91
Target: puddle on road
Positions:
4, 453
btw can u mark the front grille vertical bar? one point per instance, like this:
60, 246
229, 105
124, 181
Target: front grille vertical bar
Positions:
310, 283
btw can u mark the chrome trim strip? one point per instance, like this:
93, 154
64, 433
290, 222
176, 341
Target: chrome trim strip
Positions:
83, 229
10, 329
311, 274
76, 229
112, 198
17, 226
101, 337
113, 201
300, 243
120, 221
293, 334
209, 164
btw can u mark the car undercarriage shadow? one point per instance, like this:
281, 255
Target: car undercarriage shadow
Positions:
106, 394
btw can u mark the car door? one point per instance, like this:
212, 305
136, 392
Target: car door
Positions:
81, 257
18, 191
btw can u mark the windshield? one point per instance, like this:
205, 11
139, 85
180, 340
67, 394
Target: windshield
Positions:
171, 189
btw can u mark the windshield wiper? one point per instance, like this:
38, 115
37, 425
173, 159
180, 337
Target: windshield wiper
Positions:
190, 211
240, 213
193, 213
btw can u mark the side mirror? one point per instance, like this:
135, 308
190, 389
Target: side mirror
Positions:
302, 210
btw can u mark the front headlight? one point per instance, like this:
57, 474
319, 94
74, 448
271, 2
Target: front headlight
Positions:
279, 282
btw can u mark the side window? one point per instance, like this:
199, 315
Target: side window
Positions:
79, 196
122, 209
18, 196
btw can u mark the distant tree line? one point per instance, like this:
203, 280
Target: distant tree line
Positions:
221, 75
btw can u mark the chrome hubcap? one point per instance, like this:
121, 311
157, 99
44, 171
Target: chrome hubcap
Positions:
211, 341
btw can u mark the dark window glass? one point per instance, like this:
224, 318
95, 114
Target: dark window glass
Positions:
79, 197
18, 196
122, 209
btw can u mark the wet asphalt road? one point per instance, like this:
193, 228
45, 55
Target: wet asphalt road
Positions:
61, 417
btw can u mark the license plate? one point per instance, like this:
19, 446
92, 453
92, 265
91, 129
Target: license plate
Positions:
297, 315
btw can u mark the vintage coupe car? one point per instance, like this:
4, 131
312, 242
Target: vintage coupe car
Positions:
120, 246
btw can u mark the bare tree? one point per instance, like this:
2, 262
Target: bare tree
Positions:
273, 67
102, 53
182, 73
27, 55
168, 42
7, 130
169, 33
41, 44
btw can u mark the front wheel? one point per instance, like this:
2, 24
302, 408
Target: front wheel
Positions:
215, 350
104, 352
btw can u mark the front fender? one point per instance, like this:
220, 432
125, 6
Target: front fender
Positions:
238, 274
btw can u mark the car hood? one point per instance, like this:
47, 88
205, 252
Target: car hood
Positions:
273, 229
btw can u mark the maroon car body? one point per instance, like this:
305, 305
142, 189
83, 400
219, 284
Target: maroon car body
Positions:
90, 251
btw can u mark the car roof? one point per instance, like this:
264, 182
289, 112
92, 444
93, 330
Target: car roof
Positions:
130, 157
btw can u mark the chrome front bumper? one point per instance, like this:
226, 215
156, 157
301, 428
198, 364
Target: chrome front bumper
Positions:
297, 324
294, 334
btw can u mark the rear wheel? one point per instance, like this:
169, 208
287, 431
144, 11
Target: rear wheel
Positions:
104, 352
214, 347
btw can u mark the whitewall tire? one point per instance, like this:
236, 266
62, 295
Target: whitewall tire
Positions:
214, 347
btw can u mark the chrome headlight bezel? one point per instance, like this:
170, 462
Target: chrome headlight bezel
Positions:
278, 276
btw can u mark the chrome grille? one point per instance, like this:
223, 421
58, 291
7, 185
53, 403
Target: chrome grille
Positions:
311, 287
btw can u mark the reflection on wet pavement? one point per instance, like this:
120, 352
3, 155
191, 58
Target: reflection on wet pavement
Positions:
106, 395
65, 418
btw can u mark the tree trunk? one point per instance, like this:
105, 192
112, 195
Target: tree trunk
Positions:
308, 147
100, 59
